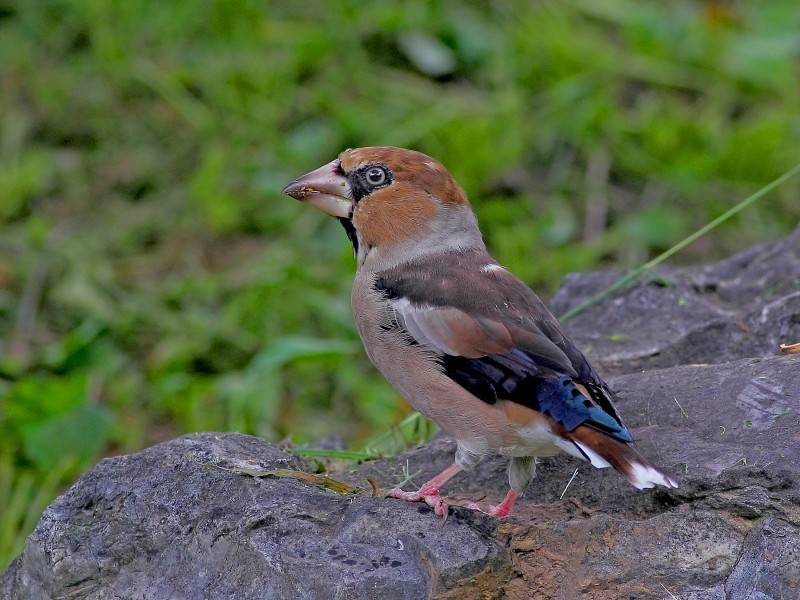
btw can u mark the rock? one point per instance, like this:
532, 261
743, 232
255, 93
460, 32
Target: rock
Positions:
769, 566
183, 520
729, 433
163, 524
741, 307
733, 425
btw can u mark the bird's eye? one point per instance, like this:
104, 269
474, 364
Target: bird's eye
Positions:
376, 176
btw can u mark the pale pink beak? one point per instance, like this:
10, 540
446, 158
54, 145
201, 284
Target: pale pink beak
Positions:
326, 188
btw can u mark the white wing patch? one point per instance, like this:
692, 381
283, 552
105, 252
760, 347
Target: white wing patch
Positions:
595, 459
407, 315
449, 330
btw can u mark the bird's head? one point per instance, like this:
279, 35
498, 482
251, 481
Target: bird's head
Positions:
388, 197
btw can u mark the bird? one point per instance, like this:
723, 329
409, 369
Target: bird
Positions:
467, 343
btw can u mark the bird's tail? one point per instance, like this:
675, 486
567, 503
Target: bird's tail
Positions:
603, 451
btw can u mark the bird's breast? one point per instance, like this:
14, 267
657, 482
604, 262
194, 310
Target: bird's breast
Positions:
416, 373
387, 346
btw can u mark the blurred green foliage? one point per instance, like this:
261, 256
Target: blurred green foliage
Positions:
153, 281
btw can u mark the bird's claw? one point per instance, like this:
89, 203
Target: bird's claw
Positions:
500, 511
438, 504
407, 496
431, 498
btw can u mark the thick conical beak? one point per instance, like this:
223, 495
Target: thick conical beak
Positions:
326, 188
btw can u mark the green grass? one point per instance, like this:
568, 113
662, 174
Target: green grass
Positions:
153, 281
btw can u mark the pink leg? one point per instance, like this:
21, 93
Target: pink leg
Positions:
429, 492
506, 506
501, 510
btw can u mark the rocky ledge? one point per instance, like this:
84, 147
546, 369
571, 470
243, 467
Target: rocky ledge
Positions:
701, 383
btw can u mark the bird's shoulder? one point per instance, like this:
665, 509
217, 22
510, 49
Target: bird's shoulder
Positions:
469, 279
467, 294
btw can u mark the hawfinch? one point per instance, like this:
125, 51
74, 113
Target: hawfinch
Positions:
461, 338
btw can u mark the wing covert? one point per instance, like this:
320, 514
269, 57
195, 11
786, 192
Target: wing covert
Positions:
495, 338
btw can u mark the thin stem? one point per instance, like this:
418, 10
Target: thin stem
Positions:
636, 273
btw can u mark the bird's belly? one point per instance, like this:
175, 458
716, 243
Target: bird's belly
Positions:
414, 372
472, 422
533, 439
480, 426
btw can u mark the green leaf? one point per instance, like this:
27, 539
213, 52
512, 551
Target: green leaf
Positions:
656, 227
74, 349
22, 178
354, 455
291, 348
211, 194
81, 433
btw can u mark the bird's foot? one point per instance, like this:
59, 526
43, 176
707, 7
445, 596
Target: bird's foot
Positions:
500, 510
429, 496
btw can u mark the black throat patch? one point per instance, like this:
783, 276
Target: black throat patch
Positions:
350, 230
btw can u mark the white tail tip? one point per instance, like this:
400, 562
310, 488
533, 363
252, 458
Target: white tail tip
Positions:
644, 476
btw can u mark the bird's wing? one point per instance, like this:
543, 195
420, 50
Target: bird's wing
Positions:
494, 336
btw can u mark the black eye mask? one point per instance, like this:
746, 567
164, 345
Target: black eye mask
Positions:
360, 185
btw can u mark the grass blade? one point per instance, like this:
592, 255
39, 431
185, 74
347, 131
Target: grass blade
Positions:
414, 429
637, 273
333, 454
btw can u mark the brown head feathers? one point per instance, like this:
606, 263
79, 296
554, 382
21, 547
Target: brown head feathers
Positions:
407, 166
398, 194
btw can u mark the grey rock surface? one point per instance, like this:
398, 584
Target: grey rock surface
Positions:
729, 433
744, 306
164, 524
182, 520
